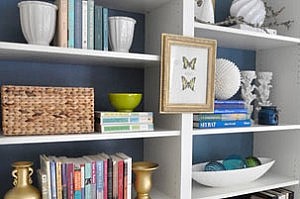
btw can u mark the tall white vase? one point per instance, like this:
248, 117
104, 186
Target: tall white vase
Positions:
204, 12
247, 89
121, 31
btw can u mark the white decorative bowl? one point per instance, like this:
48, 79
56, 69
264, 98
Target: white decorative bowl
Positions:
121, 31
230, 177
38, 21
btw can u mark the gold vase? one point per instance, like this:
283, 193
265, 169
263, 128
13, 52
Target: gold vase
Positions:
143, 172
22, 182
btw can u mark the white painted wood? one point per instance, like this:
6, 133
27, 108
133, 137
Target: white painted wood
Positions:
140, 6
255, 128
284, 148
241, 39
52, 54
7, 140
268, 181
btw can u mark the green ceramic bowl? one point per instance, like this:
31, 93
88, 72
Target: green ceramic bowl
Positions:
125, 102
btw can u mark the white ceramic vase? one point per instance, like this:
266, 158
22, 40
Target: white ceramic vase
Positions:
121, 31
204, 12
38, 21
253, 11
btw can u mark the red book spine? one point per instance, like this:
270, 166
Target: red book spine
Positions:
120, 179
70, 180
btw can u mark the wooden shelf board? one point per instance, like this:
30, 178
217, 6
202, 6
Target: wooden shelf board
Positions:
242, 39
268, 181
53, 54
7, 140
255, 128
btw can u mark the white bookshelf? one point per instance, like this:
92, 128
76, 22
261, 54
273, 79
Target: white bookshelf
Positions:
255, 128
268, 181
52, 54
7, 140
242, 39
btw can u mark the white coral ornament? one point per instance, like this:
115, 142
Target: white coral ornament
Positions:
253, 11
228, 78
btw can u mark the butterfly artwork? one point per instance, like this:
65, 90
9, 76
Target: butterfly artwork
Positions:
188, 84
189, 64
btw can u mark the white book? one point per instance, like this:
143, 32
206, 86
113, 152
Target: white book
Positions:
45, 167
84, 24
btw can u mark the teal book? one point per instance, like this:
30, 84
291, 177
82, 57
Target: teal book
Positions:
98, 27
90, 24
88, 180
105, 29
78, 24
221, 124
71, 23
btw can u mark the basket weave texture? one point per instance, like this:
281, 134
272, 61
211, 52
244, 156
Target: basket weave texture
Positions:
32, 110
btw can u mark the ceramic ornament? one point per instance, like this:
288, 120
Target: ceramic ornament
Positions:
253, 11
228, 79
38, 21
247, 88
264, 87
204, 10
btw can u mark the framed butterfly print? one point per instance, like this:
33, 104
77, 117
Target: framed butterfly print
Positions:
187, 74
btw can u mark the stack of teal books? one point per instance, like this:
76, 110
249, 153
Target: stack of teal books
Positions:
227, 113
109, 122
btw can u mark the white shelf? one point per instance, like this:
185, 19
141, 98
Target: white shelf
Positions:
268, 181
7, 140
140, 6
242, 39
52, 54
255, 128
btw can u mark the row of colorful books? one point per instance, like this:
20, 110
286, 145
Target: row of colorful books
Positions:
82, 24
108, 122
227, 113
99, 176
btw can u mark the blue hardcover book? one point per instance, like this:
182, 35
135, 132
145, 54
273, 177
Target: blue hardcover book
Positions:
231, 110
90, 24
98, 27
53, 179
222, 117
105, 29
78, 24
229, 102
71, 23
222, 124
64, 179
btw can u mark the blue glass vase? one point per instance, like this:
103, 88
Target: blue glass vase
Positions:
268, 115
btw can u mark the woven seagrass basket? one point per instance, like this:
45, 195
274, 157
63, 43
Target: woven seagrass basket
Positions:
32, 110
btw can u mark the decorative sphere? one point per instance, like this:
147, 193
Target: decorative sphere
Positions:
228, 79
252, 161
214, 166
252, 11
234, 162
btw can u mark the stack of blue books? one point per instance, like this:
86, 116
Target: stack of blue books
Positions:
227, 113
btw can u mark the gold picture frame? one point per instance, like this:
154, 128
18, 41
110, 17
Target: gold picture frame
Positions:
187, 74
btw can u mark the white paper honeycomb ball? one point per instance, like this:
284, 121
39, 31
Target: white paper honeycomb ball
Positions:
228, 79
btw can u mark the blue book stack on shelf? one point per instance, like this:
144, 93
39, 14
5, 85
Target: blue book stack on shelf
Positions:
227, 113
